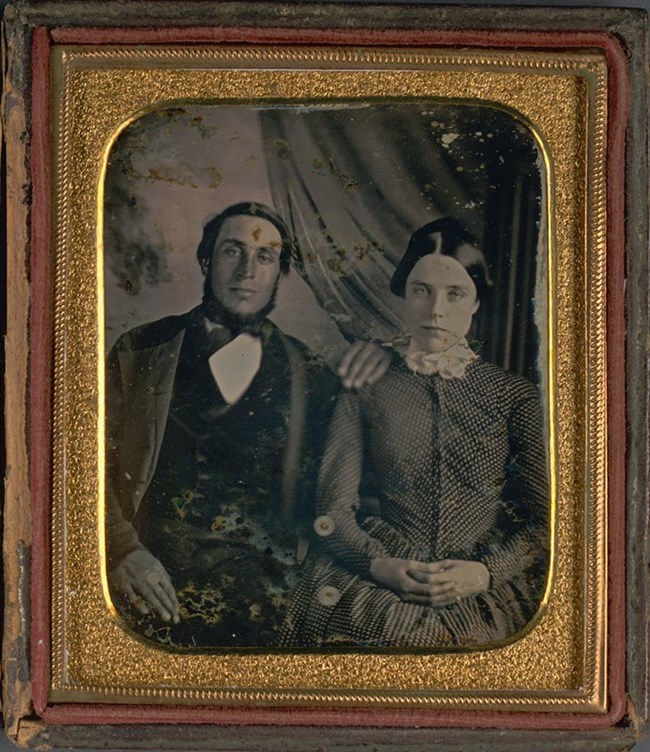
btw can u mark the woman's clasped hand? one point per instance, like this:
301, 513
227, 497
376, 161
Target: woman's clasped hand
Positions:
431, 584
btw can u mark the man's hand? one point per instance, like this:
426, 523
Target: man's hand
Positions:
146, 584
448, 581
363, 363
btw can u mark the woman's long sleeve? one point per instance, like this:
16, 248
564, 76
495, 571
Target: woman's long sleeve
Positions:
337, 499
521, 541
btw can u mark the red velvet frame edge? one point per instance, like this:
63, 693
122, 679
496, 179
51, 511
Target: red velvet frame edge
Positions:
41, 370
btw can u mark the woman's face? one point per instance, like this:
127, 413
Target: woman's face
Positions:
440, 302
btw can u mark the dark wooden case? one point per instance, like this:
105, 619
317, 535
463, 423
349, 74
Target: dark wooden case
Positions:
31, 718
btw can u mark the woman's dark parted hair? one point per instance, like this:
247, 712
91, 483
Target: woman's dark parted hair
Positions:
249, 209
448, 237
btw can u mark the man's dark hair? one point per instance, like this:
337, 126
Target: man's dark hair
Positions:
249, 209
447, 237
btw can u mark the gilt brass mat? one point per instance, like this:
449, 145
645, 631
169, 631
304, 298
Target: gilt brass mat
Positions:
559, 664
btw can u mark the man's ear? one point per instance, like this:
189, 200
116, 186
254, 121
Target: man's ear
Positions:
205, 266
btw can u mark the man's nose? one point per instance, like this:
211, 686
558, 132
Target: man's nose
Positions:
247, 266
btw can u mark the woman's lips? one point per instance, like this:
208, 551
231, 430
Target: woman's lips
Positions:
433, 329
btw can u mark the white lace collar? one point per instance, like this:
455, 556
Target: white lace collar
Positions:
448, 364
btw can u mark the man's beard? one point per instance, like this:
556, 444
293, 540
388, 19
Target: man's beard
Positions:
237, 323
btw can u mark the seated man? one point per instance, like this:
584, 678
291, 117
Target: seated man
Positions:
215, 420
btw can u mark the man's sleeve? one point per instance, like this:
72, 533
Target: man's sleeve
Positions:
321, 388
121, 536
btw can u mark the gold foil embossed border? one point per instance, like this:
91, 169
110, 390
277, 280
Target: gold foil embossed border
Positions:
559, 664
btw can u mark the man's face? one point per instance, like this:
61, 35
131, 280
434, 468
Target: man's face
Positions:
245, 264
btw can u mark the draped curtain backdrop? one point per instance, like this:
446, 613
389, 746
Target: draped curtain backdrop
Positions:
355, 182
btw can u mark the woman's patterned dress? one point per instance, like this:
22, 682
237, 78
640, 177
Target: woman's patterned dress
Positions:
459, 471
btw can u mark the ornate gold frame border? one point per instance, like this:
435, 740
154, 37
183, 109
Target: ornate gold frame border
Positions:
559, 664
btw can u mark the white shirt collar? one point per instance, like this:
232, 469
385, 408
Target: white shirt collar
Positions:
235, 365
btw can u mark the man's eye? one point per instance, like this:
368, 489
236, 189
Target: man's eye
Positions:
230, 250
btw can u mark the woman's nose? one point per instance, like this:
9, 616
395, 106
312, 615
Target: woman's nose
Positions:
437, 307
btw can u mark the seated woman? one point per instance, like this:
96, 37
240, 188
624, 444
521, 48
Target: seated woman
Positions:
456, 554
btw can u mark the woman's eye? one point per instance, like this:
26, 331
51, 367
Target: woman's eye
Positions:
265, 257
418, 290
455, 294
230, 250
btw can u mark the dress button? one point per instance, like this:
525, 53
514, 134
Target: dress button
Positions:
328, 595
324, 525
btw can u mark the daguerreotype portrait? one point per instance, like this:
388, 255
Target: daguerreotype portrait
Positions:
324, 331
322, 424
324, 389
